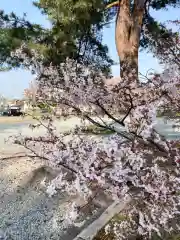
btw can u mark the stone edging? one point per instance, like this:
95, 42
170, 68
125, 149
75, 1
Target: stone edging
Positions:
91, 231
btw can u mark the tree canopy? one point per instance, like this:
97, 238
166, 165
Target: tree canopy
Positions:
76, 31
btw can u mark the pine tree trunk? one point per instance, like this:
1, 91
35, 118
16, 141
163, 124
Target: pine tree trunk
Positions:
128, 29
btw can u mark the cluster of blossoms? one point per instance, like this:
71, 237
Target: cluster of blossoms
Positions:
133, 161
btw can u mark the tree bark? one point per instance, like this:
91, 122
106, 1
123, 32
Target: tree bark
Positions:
128, 29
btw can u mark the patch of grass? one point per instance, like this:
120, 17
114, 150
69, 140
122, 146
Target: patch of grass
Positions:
120, 217
173, 236
110, 236
103, 236
92, 129
167, 114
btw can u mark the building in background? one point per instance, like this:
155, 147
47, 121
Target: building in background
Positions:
30, 96
3, 103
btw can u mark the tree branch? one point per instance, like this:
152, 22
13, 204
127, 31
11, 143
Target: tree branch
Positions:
108, 114
127, 114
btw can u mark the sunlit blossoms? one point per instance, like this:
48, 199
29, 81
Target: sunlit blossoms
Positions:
130, 159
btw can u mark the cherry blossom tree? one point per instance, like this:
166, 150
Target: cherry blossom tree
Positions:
132, 160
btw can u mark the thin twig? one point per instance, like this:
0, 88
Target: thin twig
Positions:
16, 156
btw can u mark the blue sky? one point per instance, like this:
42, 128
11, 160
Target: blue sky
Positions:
13, 82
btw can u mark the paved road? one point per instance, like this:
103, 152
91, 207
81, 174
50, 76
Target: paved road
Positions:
166, 128
6, 130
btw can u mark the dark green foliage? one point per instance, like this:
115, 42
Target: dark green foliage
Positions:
78, 25
76, 32
159, 4
161, 41
14, 31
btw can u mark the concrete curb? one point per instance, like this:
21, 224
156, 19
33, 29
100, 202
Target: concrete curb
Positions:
91, 231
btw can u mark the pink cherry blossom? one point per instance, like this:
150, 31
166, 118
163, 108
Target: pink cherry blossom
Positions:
134, 160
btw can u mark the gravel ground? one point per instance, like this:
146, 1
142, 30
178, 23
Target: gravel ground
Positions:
26, 211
